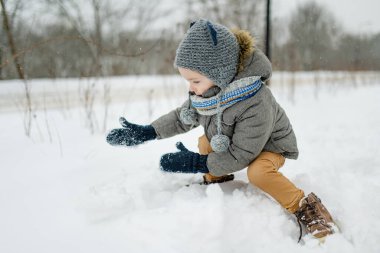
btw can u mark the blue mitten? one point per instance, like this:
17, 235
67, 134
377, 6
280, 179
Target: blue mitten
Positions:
130, 134
184, 161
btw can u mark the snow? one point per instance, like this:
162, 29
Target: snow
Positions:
72, 192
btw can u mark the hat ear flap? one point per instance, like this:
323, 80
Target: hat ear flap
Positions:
212, 32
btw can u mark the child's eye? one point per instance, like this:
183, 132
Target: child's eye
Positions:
196, 82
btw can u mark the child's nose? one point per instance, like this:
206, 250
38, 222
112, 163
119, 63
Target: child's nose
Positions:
191, 88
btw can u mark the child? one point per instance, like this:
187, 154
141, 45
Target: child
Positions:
244, 125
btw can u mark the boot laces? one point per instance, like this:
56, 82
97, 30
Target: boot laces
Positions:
308, 215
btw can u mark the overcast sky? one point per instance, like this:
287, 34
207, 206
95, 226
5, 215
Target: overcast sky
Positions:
359, 16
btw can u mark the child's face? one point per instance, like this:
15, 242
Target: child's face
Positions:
198, 83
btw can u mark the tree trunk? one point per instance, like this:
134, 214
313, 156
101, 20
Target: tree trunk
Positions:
1, 62
11, 41
98, 38
28, 105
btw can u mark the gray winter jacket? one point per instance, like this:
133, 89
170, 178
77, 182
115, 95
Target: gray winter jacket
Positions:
253, 125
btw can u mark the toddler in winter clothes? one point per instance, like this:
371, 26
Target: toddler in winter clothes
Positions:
243, 124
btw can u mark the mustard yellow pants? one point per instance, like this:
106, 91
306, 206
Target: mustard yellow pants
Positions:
263, 173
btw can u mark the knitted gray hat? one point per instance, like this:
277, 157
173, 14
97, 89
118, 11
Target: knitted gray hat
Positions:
210, 49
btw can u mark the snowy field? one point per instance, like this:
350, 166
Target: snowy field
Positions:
66, 190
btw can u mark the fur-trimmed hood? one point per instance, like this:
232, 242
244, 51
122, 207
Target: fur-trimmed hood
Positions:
252, 61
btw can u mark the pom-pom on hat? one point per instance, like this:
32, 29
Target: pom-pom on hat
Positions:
210, 49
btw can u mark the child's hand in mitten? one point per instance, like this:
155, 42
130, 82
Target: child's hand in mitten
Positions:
184, 161
131, 134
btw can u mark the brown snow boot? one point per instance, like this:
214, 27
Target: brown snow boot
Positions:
210, 179
314, 215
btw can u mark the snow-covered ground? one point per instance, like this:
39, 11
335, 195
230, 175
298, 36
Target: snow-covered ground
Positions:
66, 190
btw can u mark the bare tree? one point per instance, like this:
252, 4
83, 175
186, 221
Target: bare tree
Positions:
12, 12
314, 32
20, 71
11, 42
244, 14
108, 20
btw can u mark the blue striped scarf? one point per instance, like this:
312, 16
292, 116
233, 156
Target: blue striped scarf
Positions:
237, 91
